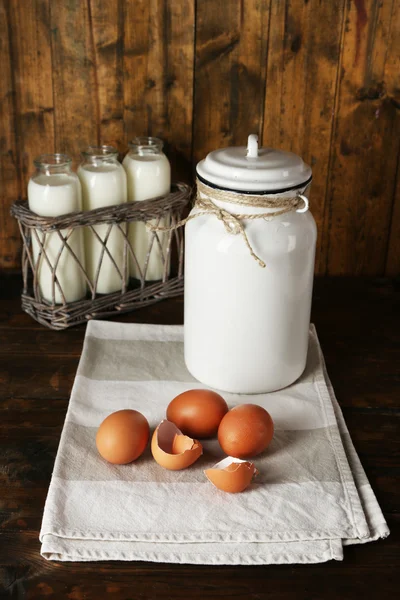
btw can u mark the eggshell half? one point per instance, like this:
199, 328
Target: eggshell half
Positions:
173, 450
231, 474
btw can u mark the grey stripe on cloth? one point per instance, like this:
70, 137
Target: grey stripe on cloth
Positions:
293, 456
140, 360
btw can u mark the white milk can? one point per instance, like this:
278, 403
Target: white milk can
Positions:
249, 264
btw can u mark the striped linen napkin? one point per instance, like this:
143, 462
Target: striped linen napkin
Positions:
310, 498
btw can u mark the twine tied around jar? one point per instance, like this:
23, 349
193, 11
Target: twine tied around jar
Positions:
204, 204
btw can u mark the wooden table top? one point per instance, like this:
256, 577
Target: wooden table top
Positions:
358, 323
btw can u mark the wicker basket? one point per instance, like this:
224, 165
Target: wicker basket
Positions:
134, 293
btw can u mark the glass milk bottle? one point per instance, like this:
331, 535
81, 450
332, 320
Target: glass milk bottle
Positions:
103, 182
149, 175
54, 190
249, 265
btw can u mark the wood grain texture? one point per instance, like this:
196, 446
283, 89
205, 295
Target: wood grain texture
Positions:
9, 151
367, 570
229, 73
365, 144
106, 21
33, 82
29, 68
392, 74
302, 72
362, 359
393, 252
319, 78
158, 76
76, 100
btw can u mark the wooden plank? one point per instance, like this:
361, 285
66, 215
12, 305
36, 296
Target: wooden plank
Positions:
16, 513
393, 254
107, 23
392, 75
74, 78
42, 379
368, 571
10, 241
33, 122
41, 342
178, 24
376, 437
33, 406
303, 63
158, 76
231, 41
40, 444
33, 76
365, 144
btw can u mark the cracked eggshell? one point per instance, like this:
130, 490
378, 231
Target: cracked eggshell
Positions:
231, 474
173, 450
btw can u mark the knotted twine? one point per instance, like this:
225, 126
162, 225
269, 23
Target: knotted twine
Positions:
204, 204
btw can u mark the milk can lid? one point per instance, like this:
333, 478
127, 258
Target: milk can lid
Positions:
253, 169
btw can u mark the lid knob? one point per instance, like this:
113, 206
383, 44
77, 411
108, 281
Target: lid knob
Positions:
252, 145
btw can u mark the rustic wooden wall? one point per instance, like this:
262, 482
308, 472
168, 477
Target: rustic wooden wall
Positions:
319, 77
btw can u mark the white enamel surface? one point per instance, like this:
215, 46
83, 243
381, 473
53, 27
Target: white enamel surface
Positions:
148, 176
246, 328
51, 196
103, 186
252, 145
253, 169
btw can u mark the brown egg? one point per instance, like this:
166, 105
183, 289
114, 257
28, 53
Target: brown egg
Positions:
197, 413
245, 431
231, 474
173, 450
123, 436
